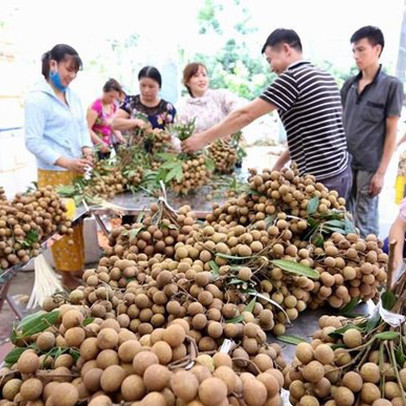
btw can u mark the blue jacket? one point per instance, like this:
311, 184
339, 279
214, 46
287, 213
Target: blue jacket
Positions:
53, 129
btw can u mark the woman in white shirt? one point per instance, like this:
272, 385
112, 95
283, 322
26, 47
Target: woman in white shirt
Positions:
207, 106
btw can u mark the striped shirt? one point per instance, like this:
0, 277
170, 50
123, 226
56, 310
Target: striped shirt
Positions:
309, 104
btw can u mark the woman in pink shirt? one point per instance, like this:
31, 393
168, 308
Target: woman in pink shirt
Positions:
398, 233
100, 116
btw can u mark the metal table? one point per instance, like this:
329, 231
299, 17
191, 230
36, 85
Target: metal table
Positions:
133, 204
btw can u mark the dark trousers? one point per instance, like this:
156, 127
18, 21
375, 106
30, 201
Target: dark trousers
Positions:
341, 183
362, 205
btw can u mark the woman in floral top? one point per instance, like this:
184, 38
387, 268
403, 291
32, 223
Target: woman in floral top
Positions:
100, 116
147, 108
204, 105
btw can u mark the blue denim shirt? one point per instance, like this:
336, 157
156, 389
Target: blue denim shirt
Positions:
52, 128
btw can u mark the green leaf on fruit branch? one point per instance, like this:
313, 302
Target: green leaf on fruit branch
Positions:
312, 205
214, 267
13, 356
296, 268
249, 308
290, 339
388, 299
36, 324
387, 335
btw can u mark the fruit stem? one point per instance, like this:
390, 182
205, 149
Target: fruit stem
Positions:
394, 365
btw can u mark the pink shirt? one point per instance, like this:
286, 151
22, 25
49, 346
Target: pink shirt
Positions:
209, 109
402, 209
101, 126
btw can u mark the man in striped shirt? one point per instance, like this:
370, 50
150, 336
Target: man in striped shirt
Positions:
309, 104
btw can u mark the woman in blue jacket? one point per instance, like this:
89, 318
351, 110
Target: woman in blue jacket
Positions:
56, 133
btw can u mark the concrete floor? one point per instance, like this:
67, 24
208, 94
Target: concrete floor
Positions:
20, 291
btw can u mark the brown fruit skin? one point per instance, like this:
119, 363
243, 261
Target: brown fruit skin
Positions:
309, 400
101, 400
31, 389
133, 388
154, 399
382, 402
201, 372
28, 362
174, 335
65, 394
324, 354
254, 392
143, 360
353, 381
344, 396
107, 339
163, 351
128, 350
221, 358
64, 360
106, 358
304, 352
212, 391
227, 375
112, 378
297, 389
370, 372
72, 318
271, 384
156, 377
352, 338
11, 388
185, 385
91, 379
45, 341
370, 392
313, 371
88, 349
274, 401
75, 336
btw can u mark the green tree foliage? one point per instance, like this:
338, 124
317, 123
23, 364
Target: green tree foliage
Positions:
206, 18
237, 66
234, 66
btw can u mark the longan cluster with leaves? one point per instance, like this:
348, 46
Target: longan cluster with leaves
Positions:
307, 223
282, 259
351, 362
26, 221
184, 173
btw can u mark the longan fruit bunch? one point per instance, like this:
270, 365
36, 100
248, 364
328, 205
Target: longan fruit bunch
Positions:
26, 221
115, 365
106, 183
195, 175
331, 371
158, 233
223, 155
350, 267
